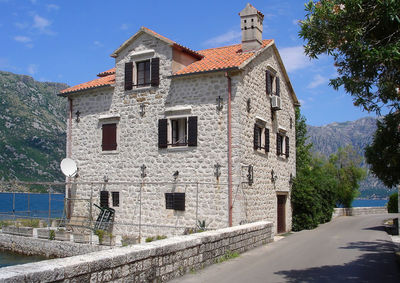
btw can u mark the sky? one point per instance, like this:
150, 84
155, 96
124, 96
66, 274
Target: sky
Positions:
71, 41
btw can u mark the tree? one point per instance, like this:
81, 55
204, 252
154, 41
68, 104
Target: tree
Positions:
363, 36
384, 153
347, 166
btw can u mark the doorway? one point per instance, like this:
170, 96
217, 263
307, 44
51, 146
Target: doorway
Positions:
281, 215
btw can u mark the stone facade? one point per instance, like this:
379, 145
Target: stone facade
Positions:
142, 200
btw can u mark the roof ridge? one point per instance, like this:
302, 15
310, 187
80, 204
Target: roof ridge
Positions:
226, 46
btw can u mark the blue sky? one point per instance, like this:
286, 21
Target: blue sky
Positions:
70, 41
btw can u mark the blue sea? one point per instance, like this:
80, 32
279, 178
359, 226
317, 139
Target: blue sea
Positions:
369, 202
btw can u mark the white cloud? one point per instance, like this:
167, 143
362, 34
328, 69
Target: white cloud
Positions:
32, 69
294, 58
317, 81
40, 22
21, 25
124, 27
98, 43
228, 37
22, 39
52, 7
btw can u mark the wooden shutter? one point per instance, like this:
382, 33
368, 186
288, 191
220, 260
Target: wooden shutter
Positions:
278, 144
256, 145
192, 136
115, 198
268, 83
278, 86
155, 71
266, 140
103, 199
109, 140
128, 75
179, 201
162, 133
287, 146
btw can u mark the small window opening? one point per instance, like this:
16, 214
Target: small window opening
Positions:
179, 131
115, 199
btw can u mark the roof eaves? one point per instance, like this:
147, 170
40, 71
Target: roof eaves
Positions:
69, 93
246, 62
205, 72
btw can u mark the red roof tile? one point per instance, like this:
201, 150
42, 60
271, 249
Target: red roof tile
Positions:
219, 58
106, 73
102, 81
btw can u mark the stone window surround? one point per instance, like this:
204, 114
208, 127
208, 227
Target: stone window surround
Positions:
173, 113
137, 57
282, 132
109, 119
262, 124
273, 74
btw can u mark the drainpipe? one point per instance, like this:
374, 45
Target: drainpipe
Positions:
229, 147
69, 133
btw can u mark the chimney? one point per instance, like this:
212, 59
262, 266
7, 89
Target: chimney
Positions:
251, 23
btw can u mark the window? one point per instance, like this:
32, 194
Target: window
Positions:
175, 201
109, 137
179, 131
272, 84
115, 198
261, 137
147, 73
143, 73
282, 145
103, 199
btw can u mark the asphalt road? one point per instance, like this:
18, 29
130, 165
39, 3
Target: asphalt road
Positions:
348, 249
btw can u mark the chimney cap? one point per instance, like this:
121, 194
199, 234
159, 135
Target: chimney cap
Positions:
250, 10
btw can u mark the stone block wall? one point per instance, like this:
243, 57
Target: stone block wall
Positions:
157, 261
354, 211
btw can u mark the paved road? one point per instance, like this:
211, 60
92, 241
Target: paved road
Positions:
348, 249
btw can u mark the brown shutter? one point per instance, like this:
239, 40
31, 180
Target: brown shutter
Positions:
278, 144
128, 75
287, 146
278, 86
109, 140
256, 145
268, 83
266, 140
155, 71
192, 137
103, 199
162, 133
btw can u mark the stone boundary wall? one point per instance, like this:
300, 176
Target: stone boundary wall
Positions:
157, 261
354, 211
48, 248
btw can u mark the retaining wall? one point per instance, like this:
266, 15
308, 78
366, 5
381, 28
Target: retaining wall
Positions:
354, 211
156, 261
48, 248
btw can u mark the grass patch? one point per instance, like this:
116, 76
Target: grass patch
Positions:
227, 256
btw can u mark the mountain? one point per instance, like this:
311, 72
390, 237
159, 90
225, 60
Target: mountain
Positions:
32, 129
327, 139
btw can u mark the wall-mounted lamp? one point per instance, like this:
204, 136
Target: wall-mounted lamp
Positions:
291, 179
248, 106
176, 174
250, 175
274, 177
142, 109
105, 178
217, 170
78, 114
219, 103
143, 171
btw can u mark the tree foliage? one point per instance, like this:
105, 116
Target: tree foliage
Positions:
384, 153
393, 203
320, 184
363, 36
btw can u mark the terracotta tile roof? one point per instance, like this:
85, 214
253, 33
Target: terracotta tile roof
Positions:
106, 73
219, 58
104, 80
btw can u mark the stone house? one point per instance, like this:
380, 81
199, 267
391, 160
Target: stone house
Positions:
190, 135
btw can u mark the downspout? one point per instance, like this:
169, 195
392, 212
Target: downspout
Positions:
69, 133
229, 148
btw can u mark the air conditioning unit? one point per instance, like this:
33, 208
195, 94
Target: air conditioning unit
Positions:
276, 102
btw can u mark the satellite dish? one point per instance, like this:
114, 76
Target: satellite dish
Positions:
68, 167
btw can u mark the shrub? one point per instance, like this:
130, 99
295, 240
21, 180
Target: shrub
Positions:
393, 205
52, 235
149, 239
100, 233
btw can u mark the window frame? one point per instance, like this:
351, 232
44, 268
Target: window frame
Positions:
261, 126
174, 131
146, 73
106, 120
115, 198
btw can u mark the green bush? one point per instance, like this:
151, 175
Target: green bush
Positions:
52, 235
393, 205
149, 239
